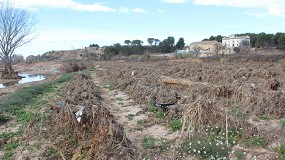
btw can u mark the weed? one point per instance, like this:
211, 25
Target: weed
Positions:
121, 103
256, 141
175, 125
240, 154
141, 121
265, 117
282, 123
152, 107
110, 86
4, 119
119, 98
130, 117
161, 115
48, 152
148, 142
280, 150
204, 148
11, 146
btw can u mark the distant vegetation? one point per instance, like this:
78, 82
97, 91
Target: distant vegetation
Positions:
261, 40
135, 47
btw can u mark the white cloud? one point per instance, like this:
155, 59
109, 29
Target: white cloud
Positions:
65, 4
123, 9
161, 11
139, 10
174, 1
262, 7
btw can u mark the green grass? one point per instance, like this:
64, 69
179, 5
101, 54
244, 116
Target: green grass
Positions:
282, 123
130, 117
149, 142
151, 107
256, 141
15, 102
141, 121
4, 119
175, 125
280, 150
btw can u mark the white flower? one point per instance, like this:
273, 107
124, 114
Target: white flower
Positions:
199, 142
194, 150
198, 151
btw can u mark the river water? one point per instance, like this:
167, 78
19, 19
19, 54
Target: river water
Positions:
27, 78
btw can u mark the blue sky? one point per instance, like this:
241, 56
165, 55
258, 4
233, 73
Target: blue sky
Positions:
72, 24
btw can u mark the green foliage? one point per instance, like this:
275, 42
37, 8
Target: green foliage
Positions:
265, 117
237, 49
151, 106
204, 148
141, 121
4, 119
94, 45
256, 140
150, 41
280, 150
180, 44
175, 125
149, 142
161, 115
212, 145
14, 102
282, 123
130, 117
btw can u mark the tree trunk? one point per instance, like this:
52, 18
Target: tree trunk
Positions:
9, 72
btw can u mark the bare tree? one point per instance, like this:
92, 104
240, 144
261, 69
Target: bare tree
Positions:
197, 50
219, 49
16, 28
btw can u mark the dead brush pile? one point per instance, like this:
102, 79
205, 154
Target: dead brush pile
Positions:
83, 129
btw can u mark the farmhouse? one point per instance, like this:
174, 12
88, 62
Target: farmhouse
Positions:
233, 41
207, 46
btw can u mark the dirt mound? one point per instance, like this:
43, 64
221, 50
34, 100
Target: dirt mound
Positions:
81, 127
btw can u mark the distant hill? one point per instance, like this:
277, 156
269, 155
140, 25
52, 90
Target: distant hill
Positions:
86, 53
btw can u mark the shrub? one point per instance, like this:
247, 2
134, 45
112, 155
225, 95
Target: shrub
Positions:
75, 66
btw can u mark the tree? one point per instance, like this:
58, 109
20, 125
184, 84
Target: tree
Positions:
150, 41
127, 42
137, 42
170, 41
212, 38
16, 28
218, 47
219, 38
197, 50
180, 44
281, 40
94, 45
156, 41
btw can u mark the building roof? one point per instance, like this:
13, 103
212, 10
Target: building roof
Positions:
232, 36
204, 43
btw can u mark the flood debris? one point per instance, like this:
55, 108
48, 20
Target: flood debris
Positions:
81, 128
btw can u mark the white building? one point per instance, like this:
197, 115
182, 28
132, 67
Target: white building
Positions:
236, 41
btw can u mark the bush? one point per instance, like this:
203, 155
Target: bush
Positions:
75, 66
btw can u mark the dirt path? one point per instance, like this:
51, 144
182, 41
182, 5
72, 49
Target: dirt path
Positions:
130, 115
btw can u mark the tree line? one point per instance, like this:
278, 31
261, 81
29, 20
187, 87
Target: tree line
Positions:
136, 47
260, 40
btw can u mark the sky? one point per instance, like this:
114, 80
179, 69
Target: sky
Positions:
74, 24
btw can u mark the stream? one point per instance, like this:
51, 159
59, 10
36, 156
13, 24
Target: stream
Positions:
26, 79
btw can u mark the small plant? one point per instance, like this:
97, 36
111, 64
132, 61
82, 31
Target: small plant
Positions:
152, 107
240, 154
130, 117
141, 121
4, 119
280, 150
148, 142
265, 117
256, 141
161, 115
175, 125
110, 86
119, 99
282, 123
